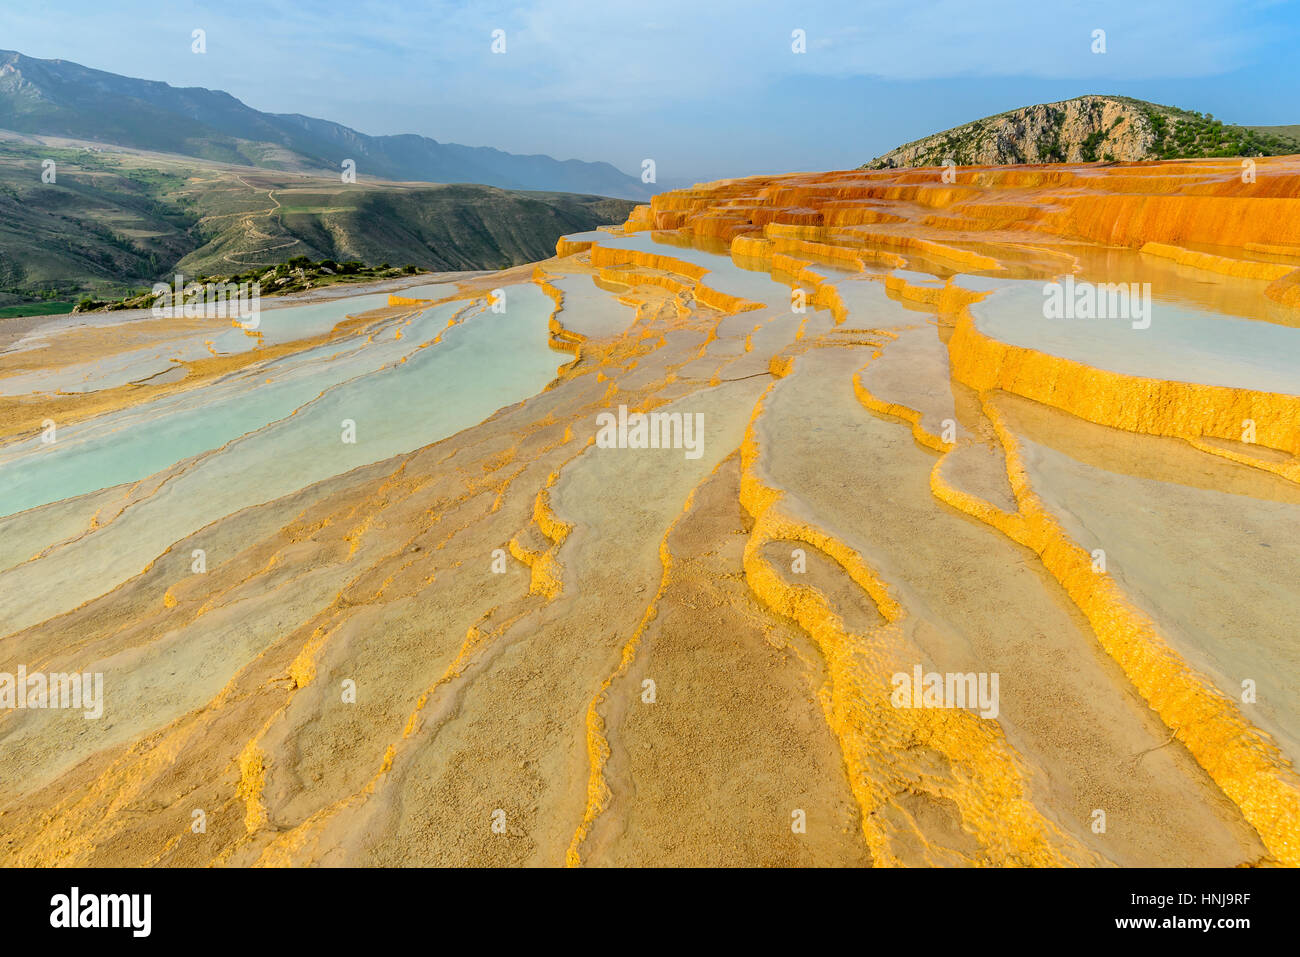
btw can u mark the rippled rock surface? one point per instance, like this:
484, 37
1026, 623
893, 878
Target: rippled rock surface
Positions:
675, 548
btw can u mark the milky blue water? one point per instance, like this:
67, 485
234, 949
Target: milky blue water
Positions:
1184, 343
488, 361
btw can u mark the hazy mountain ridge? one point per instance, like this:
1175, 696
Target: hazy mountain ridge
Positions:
61, 98
1089, 129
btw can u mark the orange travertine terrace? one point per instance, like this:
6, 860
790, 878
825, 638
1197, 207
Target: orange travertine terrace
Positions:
853, 218
685, 656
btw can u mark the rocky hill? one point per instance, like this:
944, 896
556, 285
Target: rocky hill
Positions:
1088, 129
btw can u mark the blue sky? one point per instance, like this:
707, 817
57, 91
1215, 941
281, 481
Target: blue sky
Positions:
707, 88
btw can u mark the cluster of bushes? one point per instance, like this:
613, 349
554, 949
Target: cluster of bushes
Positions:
300, 267
292, 275
1090, 148
1200, 134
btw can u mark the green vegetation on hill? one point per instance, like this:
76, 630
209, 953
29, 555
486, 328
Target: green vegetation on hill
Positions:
1050, 147
114, 222
98, 224
1185, 133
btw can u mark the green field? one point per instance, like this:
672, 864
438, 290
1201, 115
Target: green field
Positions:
35, 309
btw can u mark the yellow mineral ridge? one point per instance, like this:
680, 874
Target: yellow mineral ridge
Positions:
532, 643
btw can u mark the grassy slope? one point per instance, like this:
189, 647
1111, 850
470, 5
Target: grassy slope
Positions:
116, 221
1288, 132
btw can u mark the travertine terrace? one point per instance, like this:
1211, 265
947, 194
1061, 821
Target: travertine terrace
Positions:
486, 637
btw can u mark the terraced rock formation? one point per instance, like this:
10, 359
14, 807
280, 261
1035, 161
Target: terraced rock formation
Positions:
493, 628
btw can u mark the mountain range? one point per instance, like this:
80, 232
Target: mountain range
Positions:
60, 98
